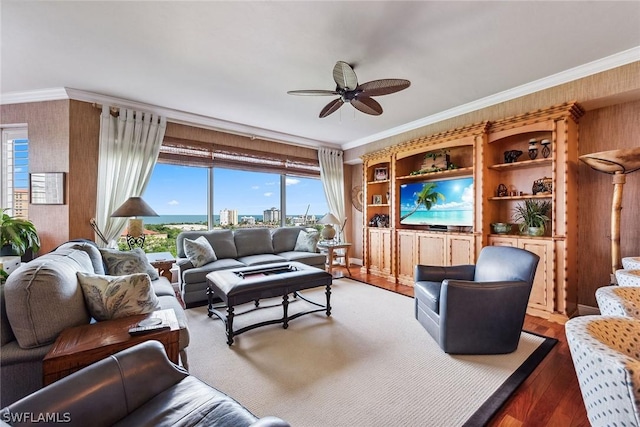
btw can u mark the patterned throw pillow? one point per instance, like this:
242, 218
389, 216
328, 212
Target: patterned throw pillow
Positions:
199, 251
307, 241
134, 261
113, 297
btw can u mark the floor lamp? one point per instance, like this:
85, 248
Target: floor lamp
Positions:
618, 163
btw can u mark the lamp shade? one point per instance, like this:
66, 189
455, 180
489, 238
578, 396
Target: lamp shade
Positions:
134, 206
624, 161
329, 219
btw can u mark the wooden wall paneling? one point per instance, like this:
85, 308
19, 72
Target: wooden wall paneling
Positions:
608, 128
84, 139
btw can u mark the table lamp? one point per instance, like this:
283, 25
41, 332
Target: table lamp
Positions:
133, 208
328, 232
618, 163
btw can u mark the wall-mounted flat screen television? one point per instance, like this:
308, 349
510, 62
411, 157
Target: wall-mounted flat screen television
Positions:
454, 209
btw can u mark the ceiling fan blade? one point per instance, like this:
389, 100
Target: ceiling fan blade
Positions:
344, 76
367, 105
312, 92
331, 107
383, 86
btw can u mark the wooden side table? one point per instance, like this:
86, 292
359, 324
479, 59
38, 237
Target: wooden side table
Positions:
81, 346
332, 255
163, 261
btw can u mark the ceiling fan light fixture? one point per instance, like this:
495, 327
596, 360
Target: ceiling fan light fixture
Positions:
350, 92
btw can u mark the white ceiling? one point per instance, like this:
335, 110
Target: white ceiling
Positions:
230, 64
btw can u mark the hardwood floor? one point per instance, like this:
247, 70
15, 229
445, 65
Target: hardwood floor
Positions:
550, 396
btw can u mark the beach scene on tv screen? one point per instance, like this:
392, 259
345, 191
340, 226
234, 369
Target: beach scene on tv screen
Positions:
455, 210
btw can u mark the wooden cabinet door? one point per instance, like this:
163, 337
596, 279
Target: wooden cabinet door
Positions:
542, 294
375, 243
385, 251
460, 250
406, 256
430, 249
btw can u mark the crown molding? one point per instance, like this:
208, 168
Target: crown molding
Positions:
175, 116
613, 61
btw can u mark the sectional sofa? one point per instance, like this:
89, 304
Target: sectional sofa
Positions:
241, 248
43, 297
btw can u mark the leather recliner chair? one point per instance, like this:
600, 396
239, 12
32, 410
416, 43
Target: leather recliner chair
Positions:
138, 386
476, 309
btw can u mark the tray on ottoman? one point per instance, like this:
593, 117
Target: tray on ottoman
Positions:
241, 285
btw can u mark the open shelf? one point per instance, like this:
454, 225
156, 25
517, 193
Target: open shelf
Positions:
446, 173
523, 197
522, 165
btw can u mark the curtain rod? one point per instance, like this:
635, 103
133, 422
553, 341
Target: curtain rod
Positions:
114, 111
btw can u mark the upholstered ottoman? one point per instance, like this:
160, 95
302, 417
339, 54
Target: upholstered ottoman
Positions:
628, 277
619, 301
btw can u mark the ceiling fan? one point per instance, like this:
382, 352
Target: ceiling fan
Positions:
350, 92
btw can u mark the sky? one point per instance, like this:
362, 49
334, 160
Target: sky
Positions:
182, 190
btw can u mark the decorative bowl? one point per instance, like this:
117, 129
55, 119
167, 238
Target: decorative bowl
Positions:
501, 227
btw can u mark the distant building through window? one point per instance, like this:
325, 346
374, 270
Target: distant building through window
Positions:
14, 170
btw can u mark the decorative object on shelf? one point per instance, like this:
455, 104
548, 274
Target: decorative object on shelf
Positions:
17, 235
619, 163
380, 174
546, 151
134, 207
501, 227
376, 199
328, 232
533, 150
47, 188
379, 220
435, 161
542, 186
532, 216
511, 156
357, 197
388, 196
501, 191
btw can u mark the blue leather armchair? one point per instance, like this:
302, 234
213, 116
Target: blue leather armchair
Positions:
476, 309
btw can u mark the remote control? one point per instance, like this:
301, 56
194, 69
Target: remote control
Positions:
138, 330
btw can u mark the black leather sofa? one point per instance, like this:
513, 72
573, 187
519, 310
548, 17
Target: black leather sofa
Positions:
135, 387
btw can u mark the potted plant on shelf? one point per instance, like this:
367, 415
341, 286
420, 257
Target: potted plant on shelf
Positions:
17, 235
532, 216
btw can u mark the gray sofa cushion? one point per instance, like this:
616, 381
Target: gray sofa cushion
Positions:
92, 250
197, 275
6, 333
162, 286
253, 241
44, 297
284, 238
221, 241
260, 259
309, 258
166, 302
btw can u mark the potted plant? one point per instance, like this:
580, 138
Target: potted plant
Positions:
532, 216
17, 235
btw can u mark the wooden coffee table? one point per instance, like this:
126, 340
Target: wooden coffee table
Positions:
81, 346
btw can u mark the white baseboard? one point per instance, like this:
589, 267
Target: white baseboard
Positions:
587, 310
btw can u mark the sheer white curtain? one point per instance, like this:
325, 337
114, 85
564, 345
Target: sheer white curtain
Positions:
129, 147
332, 175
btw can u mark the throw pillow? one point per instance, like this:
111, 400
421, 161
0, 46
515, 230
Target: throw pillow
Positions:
199, 251
307, 241
113, 297
134, 261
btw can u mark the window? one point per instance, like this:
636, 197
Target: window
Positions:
181, 195
14, 170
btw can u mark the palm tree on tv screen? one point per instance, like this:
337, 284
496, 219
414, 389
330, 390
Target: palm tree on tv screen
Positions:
427, 197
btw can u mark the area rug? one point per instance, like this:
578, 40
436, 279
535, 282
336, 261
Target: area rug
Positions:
369, 364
